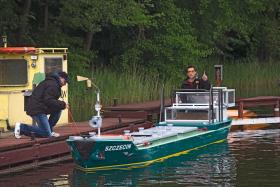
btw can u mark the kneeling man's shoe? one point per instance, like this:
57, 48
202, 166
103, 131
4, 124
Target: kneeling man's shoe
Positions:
17, 130
54, 134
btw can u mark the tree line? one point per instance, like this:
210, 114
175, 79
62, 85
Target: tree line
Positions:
163, 35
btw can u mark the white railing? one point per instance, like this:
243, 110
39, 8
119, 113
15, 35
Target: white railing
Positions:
193, 105
185, 98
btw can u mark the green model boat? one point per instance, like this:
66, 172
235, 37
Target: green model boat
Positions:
195, 119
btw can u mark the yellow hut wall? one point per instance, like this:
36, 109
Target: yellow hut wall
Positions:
11, 97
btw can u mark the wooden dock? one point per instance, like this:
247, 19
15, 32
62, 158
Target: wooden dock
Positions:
273, 101
18, 154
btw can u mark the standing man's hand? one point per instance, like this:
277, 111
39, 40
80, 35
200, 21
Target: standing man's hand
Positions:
204, 76
66, 105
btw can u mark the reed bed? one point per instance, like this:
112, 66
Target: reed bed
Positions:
126, 87
252, 79
136, 85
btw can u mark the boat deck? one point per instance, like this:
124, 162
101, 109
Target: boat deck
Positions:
159, 133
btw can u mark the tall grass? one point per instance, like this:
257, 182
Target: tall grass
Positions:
135, 85
251, 79
127, 87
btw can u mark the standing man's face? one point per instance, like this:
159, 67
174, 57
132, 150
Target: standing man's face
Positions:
191, 73
62, 81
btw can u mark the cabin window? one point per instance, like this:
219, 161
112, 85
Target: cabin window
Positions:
53, 65
13, 72
187, 114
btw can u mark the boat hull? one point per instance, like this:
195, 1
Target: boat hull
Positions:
91, 155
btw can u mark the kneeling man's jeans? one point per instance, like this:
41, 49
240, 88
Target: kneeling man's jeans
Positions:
44, 126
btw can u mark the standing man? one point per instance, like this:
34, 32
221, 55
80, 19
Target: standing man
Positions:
193, 81
44, 101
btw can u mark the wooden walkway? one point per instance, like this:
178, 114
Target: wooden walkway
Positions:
149, 107
26, 152
15, 153
273, 101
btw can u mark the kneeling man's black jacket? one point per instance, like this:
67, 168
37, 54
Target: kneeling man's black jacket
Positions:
44, 98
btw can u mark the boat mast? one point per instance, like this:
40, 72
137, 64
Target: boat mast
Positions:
96, 121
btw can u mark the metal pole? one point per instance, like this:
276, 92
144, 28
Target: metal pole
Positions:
161, 103
97, 108
220, 96
222, 103
212, 105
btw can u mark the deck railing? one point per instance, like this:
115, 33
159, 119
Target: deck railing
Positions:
200, 105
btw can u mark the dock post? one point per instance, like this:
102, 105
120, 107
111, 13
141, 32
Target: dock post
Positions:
240, 109
150, 117
32, 137
36, 153
120, 119
115, 101
131, 127
218, 74
276, 109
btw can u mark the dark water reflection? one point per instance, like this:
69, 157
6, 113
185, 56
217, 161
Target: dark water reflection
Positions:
203, 167
249, 158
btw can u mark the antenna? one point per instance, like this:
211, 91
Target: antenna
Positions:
96, 121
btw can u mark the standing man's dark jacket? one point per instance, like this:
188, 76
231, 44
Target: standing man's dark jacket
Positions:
44, 98
196, 84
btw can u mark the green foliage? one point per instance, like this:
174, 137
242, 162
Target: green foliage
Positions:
162, 34
170, 43
123, 41
237, 29
7, 19
92, 16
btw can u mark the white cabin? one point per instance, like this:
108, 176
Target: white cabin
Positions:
200, 105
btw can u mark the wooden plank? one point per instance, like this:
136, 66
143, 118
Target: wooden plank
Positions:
249, 121
10, 143
150, 106
33, 153
125, 114
259, 98
259, 101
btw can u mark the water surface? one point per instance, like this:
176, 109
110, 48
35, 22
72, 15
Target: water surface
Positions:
249, 158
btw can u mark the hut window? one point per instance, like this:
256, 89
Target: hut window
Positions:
13, 72
53, 64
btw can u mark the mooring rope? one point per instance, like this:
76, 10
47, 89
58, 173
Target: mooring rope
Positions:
74, 122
